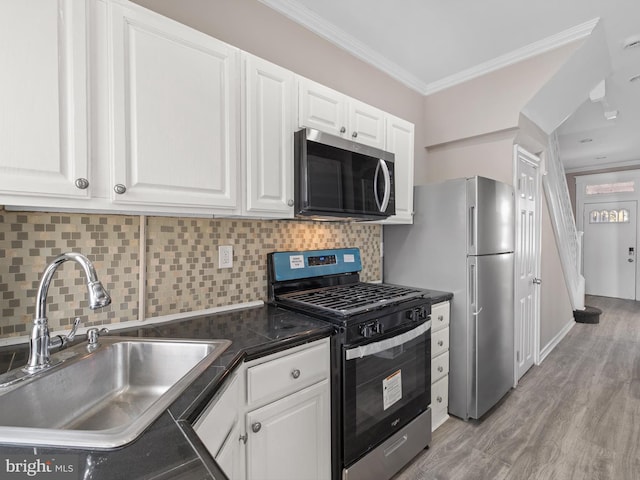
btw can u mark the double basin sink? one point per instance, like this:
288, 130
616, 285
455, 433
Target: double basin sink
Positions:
103, 398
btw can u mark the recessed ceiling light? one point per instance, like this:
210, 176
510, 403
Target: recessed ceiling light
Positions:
586, 140
635, 78
633, 41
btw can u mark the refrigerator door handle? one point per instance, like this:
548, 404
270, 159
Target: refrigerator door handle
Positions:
472, 226
476, 313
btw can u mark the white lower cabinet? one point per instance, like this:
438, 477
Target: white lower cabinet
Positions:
289, 439
272, 420
439, 364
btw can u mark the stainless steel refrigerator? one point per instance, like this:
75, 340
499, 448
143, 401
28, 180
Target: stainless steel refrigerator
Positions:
462, 241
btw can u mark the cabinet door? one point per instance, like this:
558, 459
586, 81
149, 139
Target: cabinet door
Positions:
43, 98
268, 106
173, 113
229, 458
290, 439
321, 108
400, 141
366, 124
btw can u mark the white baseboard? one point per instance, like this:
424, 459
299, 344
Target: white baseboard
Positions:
548, 348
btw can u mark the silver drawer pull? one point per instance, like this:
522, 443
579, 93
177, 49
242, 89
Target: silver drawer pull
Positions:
440, 343
441, 318
295, 373
440, 369
256, 427
439, 399
119, 189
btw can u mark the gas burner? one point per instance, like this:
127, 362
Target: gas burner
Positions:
351, 299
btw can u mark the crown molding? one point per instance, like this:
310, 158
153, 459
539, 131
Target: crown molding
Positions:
313, 22
310, 20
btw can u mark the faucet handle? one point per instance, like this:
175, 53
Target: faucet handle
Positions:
61, 341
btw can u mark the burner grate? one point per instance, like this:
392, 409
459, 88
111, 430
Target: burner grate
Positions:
346, 300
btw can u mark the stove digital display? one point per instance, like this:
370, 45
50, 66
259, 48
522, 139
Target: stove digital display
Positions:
322, 260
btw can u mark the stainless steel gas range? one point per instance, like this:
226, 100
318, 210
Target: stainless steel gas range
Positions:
381, 358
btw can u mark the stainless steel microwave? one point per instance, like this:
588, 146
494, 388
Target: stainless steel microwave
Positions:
338, 178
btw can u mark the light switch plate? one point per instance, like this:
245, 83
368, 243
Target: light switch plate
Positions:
225, 256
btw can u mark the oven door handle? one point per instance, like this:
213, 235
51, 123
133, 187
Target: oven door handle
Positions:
386, 344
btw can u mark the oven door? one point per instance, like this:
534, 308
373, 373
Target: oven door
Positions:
386, 384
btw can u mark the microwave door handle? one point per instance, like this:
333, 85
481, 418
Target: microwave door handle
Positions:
375, 187
382, 206
387, 186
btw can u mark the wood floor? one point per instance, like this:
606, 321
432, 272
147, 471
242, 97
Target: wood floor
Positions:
576, 416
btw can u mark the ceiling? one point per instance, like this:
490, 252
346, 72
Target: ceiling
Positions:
430, 45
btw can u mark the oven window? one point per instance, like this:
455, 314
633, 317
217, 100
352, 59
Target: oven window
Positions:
383, 392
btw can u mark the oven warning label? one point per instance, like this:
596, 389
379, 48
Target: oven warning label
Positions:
392, 389
296, 261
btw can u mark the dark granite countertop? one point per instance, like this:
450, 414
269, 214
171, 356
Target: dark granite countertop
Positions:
436, 296
169, 448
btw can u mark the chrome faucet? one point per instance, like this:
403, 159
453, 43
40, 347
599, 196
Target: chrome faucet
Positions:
40, 342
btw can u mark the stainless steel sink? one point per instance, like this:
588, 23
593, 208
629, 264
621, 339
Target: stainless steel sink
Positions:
104, 398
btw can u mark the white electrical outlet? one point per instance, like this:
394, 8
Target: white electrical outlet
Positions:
225, 256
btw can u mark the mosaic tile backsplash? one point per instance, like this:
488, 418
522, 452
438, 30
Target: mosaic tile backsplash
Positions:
181, 256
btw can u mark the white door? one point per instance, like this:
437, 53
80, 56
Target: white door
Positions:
174, 113
400, 141
290, 439
43, 99
366, 124
268, 106
609, 249
527, 255
321, 108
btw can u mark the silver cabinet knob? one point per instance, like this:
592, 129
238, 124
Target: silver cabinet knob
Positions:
82, 183
441, 318
440, 343
295, 373
119, 189
290, 202
439, 399
256, 427
630, 260
537, 281
440, 369
354, 134
343, 129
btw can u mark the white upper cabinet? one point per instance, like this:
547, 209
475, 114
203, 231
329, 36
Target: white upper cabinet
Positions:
321, 108
330, 111
400, 142
173, 113
43, 106
268, 106
366, 124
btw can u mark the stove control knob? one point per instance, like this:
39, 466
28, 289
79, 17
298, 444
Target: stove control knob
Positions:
423, 313
368, 330
411, 315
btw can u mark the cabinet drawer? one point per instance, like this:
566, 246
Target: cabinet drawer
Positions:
439, 366
218, 419
439, 316
440, 393
288, 374
439, 342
